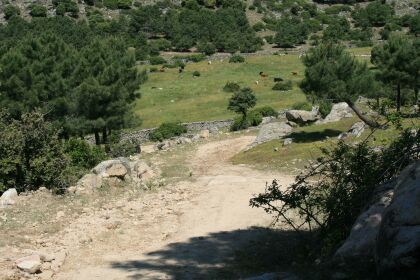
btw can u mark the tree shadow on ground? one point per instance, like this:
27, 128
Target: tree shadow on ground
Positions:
221, 255
306, 137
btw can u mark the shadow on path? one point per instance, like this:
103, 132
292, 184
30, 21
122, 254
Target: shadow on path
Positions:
220, 255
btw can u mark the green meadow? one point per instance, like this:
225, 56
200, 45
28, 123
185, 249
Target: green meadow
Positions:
186, 98
173, 96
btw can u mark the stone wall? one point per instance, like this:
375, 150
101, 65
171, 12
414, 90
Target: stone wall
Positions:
142, 135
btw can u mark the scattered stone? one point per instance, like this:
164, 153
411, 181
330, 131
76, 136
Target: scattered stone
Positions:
165, 145
214, 130
60, 214
276, 149
343, 136
143, 171
266, 120
271, 131
302, 117
398, 242
183, 140
46, 275
9, 197
113, 168
287, 141
30, 264
113, 225
205, 133
357, 129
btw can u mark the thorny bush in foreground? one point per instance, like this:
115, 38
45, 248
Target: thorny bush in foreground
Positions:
329, 196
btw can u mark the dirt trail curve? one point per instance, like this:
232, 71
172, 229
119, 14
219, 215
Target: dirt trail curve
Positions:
186, 231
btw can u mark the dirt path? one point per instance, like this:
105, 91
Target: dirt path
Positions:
186, 231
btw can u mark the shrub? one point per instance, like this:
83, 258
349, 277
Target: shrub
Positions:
155, 60
153, 69
38, 10
302, 106
116, 4
254, 118
167, 65
286, 85
231, 87
82, 154
325, 108
269, 39
259, 26
267, 111
167, 130
236, 58
179, 63
326, 199
196, 74
207, 48
31, 154
10, 11
123, 148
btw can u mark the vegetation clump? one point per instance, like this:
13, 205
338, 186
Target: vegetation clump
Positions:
231, 87
305, 106
283, 86
167, 130
236, 58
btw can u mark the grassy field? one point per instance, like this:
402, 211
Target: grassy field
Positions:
308, 141
185, 98
173, 96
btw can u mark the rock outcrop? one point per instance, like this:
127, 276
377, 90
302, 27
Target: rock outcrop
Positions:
362, 239
271, 131
113, 172
302, 117
389, 230
398, 243
338, 111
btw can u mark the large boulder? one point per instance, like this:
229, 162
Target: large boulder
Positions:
302, 117
360, 244
398, 242
9, 197
338, 111
271, 131
113, 168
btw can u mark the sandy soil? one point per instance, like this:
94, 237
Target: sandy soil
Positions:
188, 230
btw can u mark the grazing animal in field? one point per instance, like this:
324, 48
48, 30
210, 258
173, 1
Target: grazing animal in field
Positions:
162, 69
262, 74
257, 82
294, 73
278, 79
209, 62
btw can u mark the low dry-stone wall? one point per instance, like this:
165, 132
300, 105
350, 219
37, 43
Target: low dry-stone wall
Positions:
142, 135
